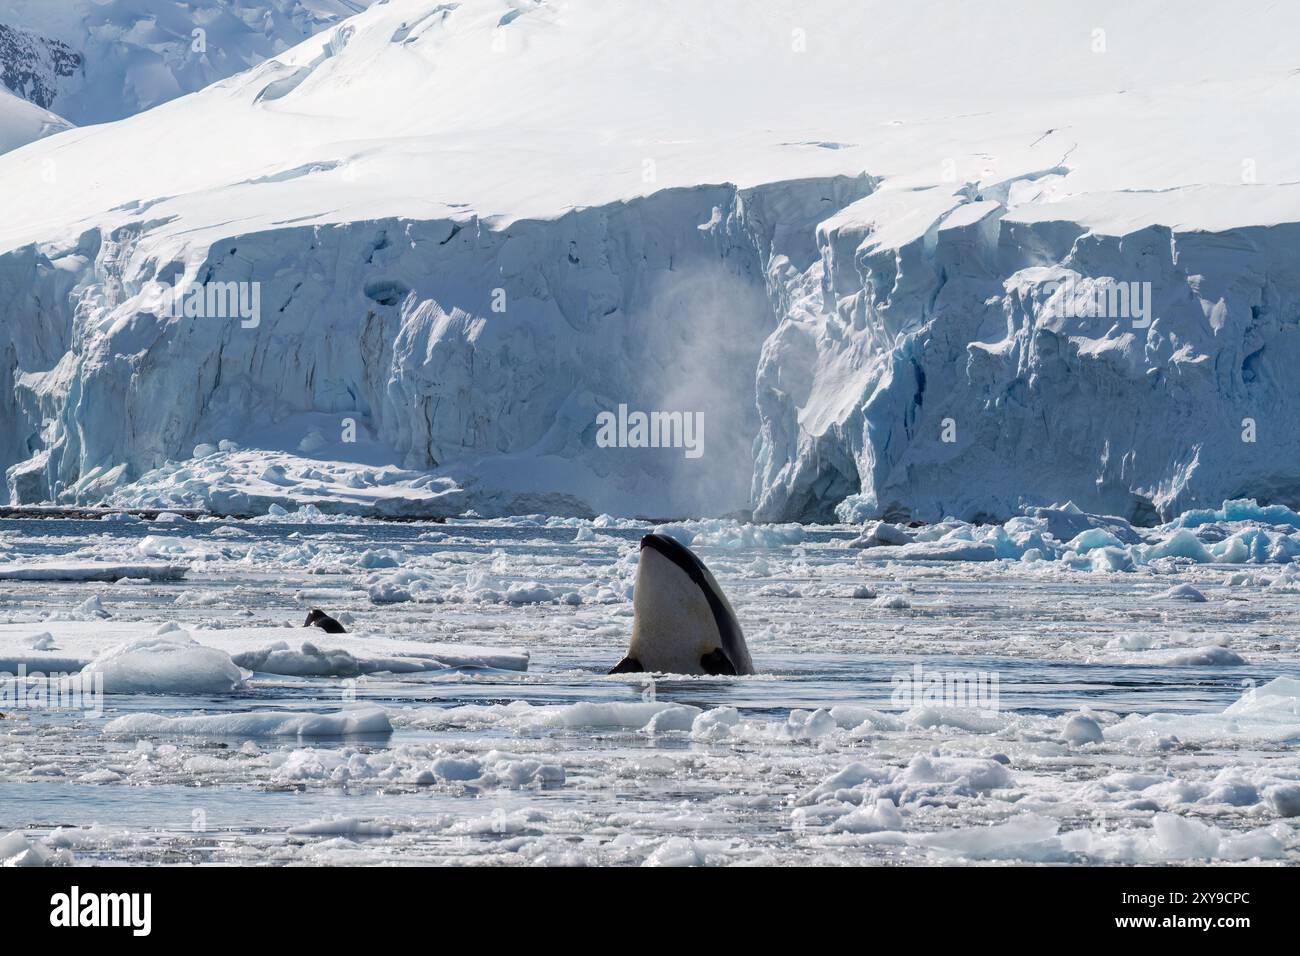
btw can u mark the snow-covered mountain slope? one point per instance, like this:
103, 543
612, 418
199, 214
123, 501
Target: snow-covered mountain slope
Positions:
94, 61
475, 226
33, 66
22, 122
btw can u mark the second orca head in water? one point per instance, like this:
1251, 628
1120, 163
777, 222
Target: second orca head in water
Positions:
683, 623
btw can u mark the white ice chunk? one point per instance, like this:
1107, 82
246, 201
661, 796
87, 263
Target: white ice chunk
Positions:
368, 720
1082, 729
171, 663
88, 571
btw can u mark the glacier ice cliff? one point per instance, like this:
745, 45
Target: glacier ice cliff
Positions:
959, 331
479, 353
860, 353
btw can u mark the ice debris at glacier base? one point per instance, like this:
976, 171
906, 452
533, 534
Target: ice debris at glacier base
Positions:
1241, 532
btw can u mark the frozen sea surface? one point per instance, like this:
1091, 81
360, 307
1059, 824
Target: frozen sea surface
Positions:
1131, 722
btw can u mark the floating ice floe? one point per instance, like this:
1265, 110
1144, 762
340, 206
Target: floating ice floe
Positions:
1037, 838
1209, 656
319, 659
342, 826
523, 717
18, 850
1082, 729
91, 609
727, 533
1241, 532
479, 587
1267, 713
877, 534
1285, 799
168, 663
88, 571
149, 658
415, 765
182, 548
363, 720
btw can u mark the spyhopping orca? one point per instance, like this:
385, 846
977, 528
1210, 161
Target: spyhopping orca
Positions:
318, 618
682, 622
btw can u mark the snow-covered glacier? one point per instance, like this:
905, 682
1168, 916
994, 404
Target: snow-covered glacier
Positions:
94, 61
474, 227
22, 122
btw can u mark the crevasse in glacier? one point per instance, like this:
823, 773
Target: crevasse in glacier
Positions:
945, 376
659, 302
